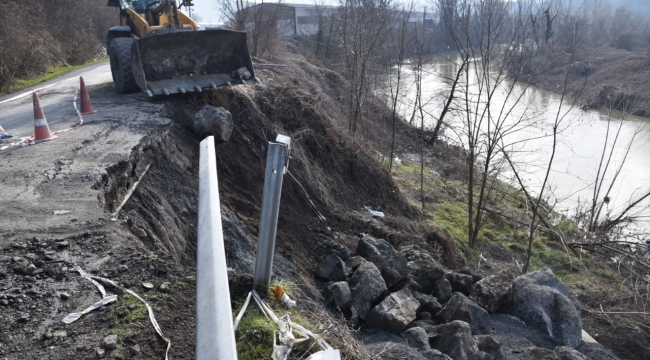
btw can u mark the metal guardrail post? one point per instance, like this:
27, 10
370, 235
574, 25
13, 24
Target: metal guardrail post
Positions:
276, 165
215, 337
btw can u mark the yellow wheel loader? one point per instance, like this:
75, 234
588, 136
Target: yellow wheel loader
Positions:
160, 50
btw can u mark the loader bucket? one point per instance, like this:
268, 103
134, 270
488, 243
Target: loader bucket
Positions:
184, 61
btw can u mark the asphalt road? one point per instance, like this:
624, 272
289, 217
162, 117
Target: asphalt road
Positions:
37, 180
17, 111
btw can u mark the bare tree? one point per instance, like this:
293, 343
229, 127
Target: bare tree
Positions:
491, 36
536, 201
264, 22
400, 41
364, 25
608, 175
422, 39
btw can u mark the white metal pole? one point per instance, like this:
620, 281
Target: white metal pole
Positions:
215, 337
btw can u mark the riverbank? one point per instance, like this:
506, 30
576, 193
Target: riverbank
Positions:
151, 248
602, 77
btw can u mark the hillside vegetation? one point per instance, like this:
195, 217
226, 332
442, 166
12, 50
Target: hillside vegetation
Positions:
36, 35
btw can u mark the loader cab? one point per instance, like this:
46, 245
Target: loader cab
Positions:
140, 6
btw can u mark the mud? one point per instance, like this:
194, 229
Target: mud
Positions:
153, 239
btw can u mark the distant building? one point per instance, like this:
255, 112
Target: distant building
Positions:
429, 19
289, 19
306, 19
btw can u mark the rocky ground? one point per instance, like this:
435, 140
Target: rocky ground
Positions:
412, 301
440, 314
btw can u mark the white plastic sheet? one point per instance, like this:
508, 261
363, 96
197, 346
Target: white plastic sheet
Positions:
329, 354
285, 335
375, 213
70, 318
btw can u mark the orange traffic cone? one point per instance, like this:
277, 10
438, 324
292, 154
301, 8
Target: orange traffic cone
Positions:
41, 129
86, 106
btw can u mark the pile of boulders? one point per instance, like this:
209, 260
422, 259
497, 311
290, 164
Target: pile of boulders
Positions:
440, 313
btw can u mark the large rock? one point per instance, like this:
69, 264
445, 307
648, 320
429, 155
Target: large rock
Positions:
487, 345
559, 353
428, 325
427, 302
332, 268
543, 302
426, 277
476, 277
442, 291
538, 354
455, 339
406, 283
493, 291
395, 312
388, 346
417, 337
215, 121
341, 295
434, 354
390, 262
415, 254
366, 286
459, 307
460, 282
353, 262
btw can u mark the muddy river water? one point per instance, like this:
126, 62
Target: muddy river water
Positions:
581, 140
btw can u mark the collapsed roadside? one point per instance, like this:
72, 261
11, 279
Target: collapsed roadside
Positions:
154, 240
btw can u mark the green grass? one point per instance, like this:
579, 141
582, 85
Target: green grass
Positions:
138, 311
124, 326
448, 212
51, 73
179, 285
254, 335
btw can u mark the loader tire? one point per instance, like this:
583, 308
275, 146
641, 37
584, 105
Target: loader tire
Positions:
120, 56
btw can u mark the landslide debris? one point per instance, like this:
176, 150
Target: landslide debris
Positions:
340, 174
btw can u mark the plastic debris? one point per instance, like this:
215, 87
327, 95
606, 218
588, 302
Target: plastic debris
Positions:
374, 213
72, 317
61, 212
147, 285
116, 214
285, 335
329, 354
279, 293
107, 299
4, 135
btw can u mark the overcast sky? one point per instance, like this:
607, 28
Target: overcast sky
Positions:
206, 10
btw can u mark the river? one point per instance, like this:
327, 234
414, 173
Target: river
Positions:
580, 141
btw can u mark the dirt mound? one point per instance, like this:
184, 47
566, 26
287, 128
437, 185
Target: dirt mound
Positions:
159, 210
339, 173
